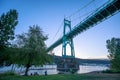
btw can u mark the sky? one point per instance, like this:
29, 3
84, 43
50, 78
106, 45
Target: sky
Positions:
49, 15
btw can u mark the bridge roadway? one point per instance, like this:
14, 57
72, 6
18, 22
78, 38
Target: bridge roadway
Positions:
102, 13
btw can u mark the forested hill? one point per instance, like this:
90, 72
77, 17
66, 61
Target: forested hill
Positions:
86, 61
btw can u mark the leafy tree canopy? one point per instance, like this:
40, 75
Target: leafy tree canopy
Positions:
32, 48
113, 46
8, 22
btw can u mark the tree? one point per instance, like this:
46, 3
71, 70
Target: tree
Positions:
113, 46
8, 22
32, 48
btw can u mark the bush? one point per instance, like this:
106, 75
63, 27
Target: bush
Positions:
110, 71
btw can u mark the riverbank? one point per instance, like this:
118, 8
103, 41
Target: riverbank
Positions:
86, 76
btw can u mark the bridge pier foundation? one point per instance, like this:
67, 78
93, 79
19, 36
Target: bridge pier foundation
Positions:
68, 64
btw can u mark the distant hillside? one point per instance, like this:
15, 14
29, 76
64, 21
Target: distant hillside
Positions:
93, 61
86, 61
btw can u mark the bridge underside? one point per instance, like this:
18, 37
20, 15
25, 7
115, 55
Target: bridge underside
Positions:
105, 11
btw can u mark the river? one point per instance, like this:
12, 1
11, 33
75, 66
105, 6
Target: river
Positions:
52, 69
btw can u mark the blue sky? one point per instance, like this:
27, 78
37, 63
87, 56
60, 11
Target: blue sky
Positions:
49, 15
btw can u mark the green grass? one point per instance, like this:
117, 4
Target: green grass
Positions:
61, 77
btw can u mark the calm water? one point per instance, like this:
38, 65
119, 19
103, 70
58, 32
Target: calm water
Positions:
52, 69
90, 68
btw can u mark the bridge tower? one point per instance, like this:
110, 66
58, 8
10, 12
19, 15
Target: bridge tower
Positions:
67, 63
67, 24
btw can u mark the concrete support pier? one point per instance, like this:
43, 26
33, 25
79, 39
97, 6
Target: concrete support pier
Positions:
68, 64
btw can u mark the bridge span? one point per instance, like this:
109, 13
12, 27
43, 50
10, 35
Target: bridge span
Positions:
102, 13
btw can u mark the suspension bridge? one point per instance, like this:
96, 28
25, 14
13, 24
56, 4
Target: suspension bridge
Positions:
102, 13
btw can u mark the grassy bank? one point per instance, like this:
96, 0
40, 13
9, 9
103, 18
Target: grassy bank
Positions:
90, 76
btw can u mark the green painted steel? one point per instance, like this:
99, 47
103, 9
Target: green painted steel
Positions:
101, 14
67, 41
